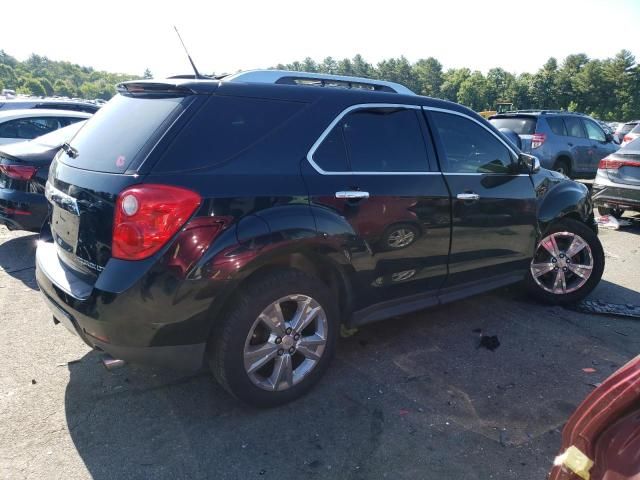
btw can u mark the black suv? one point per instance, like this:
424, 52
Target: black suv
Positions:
240, 222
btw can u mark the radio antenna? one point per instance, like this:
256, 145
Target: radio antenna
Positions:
195, 70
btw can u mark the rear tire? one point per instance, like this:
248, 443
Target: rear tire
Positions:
573, 271
293, 355
563, 166
615, 212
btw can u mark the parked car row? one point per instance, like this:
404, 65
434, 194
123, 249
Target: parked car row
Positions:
570, 143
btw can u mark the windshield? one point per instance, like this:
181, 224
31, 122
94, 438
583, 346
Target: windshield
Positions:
58, 137
520, 125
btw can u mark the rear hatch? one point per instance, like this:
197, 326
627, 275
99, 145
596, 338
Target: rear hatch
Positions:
523, 125
106, 156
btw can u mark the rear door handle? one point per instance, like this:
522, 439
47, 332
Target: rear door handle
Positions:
351, 194
468, 196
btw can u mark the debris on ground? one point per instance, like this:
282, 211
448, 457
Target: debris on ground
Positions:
33, 381
490, 342
612, 223
347, 332
589, 370
403, 412
605, 308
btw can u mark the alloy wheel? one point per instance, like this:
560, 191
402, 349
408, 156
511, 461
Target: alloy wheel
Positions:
562, 264
286, 342
400, 238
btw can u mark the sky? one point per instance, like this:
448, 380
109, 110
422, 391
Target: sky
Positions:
227, 36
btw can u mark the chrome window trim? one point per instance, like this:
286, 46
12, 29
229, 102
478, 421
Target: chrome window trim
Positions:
360, 106
460, 114
335, 121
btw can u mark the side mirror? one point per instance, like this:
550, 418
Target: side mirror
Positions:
530, 163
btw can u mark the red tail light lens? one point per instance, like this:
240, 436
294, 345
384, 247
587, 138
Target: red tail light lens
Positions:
18, 172
147, 216
609, 163
537, 140
627, 138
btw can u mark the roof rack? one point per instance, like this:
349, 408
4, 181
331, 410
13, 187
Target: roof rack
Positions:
285, 77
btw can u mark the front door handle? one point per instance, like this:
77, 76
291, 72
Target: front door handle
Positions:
468, 196
351, 194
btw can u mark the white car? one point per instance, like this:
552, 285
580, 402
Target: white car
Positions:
21, 125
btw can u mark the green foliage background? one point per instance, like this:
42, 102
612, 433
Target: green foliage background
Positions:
41, 76
608, 89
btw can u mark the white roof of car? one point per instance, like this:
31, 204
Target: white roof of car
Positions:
40, 112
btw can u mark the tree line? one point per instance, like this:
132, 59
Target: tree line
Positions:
608, 89
41, 76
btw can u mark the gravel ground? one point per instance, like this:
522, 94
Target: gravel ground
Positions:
412, 397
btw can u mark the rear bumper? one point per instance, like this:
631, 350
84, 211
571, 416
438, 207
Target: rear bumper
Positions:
616, 195
122, 324
22, 210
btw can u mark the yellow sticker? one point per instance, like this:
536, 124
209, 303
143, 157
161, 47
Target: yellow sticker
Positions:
576, 461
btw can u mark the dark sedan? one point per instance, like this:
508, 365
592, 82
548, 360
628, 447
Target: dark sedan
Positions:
24, 168
617, 184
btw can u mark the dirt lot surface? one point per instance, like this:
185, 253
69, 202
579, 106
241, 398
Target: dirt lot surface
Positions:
408, 398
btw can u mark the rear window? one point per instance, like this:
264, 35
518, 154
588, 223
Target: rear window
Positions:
121, 131
520, 125
636, 129
224, 128
627, 127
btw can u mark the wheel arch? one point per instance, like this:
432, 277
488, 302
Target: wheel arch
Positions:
567, 200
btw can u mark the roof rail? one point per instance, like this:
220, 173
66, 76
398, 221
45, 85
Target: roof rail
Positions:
316, 79
545, 110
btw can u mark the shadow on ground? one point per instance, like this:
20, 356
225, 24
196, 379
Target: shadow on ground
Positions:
406, 396
17, 258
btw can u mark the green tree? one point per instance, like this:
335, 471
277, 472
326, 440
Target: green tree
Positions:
451, 81
64, 89
147, 74
33, 86
473, 91
46, 84
428, 75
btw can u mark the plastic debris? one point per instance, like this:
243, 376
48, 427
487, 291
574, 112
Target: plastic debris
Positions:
609, 222
576, 461
347, 332
589, 370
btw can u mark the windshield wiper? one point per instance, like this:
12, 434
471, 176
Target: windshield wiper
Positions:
72, 152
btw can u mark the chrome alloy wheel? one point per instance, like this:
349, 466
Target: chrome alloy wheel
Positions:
286, 342
400, 238
563, 263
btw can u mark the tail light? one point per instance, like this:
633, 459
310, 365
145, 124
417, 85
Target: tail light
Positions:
609, 163
147, 216
537, 140
627, 138
18, 172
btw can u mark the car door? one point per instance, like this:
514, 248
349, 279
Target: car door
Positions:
493, 203
374, 169
578, 143
600, 147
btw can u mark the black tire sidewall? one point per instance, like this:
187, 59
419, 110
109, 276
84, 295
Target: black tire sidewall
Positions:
250, 302
579, 228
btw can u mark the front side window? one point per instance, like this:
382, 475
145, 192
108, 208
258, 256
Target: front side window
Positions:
594, 132
574, 127
469, 147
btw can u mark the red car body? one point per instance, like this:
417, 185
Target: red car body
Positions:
606, 428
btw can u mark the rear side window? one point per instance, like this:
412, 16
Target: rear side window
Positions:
627, 127
331, 155
556, 124
469, 147
224, 128
114, 137
520, 125
29, 128
574, 127
385, 140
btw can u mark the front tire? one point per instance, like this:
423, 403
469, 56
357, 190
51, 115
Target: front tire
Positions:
563, 166
276, 339
567, 265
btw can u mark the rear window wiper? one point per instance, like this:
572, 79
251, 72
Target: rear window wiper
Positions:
69, 150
